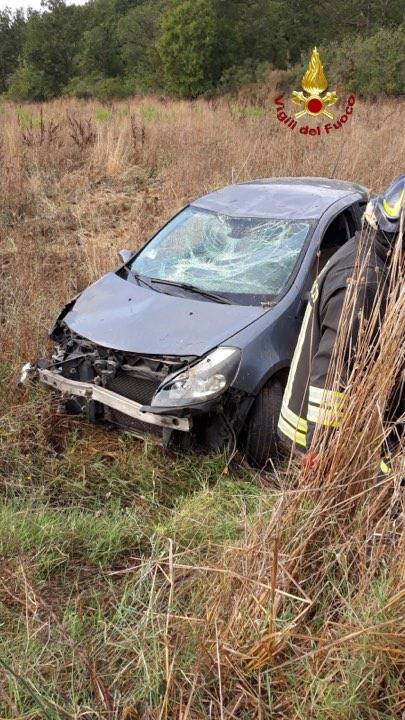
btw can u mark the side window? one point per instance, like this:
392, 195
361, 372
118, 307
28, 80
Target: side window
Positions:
338, 232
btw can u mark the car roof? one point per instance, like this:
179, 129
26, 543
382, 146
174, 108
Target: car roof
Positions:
293, 198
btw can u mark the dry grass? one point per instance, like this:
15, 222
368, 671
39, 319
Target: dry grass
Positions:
80, 181
134, 585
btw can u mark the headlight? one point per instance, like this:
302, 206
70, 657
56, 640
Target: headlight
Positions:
203, 381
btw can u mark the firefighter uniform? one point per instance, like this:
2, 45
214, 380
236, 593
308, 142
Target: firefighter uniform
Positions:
307, 401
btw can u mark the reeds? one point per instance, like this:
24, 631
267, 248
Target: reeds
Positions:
316, 590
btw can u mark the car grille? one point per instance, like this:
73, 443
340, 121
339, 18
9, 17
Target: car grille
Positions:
139, 389
136, 426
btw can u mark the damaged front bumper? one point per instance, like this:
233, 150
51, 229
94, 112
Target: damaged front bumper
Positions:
91, 392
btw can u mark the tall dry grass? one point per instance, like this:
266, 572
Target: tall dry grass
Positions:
314, 597
80, 181
283, 603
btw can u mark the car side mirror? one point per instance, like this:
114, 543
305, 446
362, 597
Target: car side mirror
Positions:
125, 255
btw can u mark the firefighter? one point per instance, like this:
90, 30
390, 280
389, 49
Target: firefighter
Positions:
307, 401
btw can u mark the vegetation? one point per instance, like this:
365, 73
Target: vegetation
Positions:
114, 48
135, 584
372, 65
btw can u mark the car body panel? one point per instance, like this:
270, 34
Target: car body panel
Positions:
163, 332
282, 198
92, 392
121, 315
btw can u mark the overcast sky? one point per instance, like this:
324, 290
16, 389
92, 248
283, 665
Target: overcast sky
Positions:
34, 4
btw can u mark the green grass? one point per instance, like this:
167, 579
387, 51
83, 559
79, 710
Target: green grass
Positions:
108, 545
149, 113
88, 520
213, 515
250, 112
27, 120
60, 536
101, 115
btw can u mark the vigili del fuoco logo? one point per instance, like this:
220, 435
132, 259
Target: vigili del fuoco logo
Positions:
314, 102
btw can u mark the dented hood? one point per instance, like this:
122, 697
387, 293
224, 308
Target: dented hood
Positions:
118, 314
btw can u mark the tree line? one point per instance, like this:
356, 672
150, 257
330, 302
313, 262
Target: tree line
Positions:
115, 48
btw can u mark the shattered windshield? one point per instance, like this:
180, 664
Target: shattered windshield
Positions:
222, 254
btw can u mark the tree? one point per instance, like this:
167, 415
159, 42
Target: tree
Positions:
46, 62
373, 65
306, 24
111, 48
12, 27
209, 41
138, 32
99, 50
249, 29
251, 32
30, 83
187, 46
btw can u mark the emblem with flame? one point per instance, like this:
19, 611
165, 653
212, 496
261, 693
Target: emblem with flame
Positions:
314, 83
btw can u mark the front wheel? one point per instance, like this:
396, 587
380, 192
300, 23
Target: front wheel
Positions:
261, 441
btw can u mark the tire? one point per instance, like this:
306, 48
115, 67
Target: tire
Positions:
261, 439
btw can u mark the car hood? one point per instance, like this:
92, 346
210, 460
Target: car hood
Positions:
118, 314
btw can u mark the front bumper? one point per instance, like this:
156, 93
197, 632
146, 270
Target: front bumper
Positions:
91, 392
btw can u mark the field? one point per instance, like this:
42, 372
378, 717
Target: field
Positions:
137, 585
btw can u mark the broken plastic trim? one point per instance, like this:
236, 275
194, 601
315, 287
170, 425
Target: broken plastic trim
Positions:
104, 396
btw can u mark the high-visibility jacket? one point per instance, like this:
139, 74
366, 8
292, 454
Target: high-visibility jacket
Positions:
307, 401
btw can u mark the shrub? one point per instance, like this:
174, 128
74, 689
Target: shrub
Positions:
235, 77
96, 86
380, 64
29, 83
370, 66
187, 48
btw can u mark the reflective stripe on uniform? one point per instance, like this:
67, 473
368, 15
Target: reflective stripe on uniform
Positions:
297, 422
297, 354
294, 435
394, 211
328, 417
290, 424
326, 398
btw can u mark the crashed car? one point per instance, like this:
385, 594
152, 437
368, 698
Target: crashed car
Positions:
192, 337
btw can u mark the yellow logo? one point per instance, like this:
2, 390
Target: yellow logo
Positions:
314, 83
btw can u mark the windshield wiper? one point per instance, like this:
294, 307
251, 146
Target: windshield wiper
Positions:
139, 279
192, 288
142, 280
